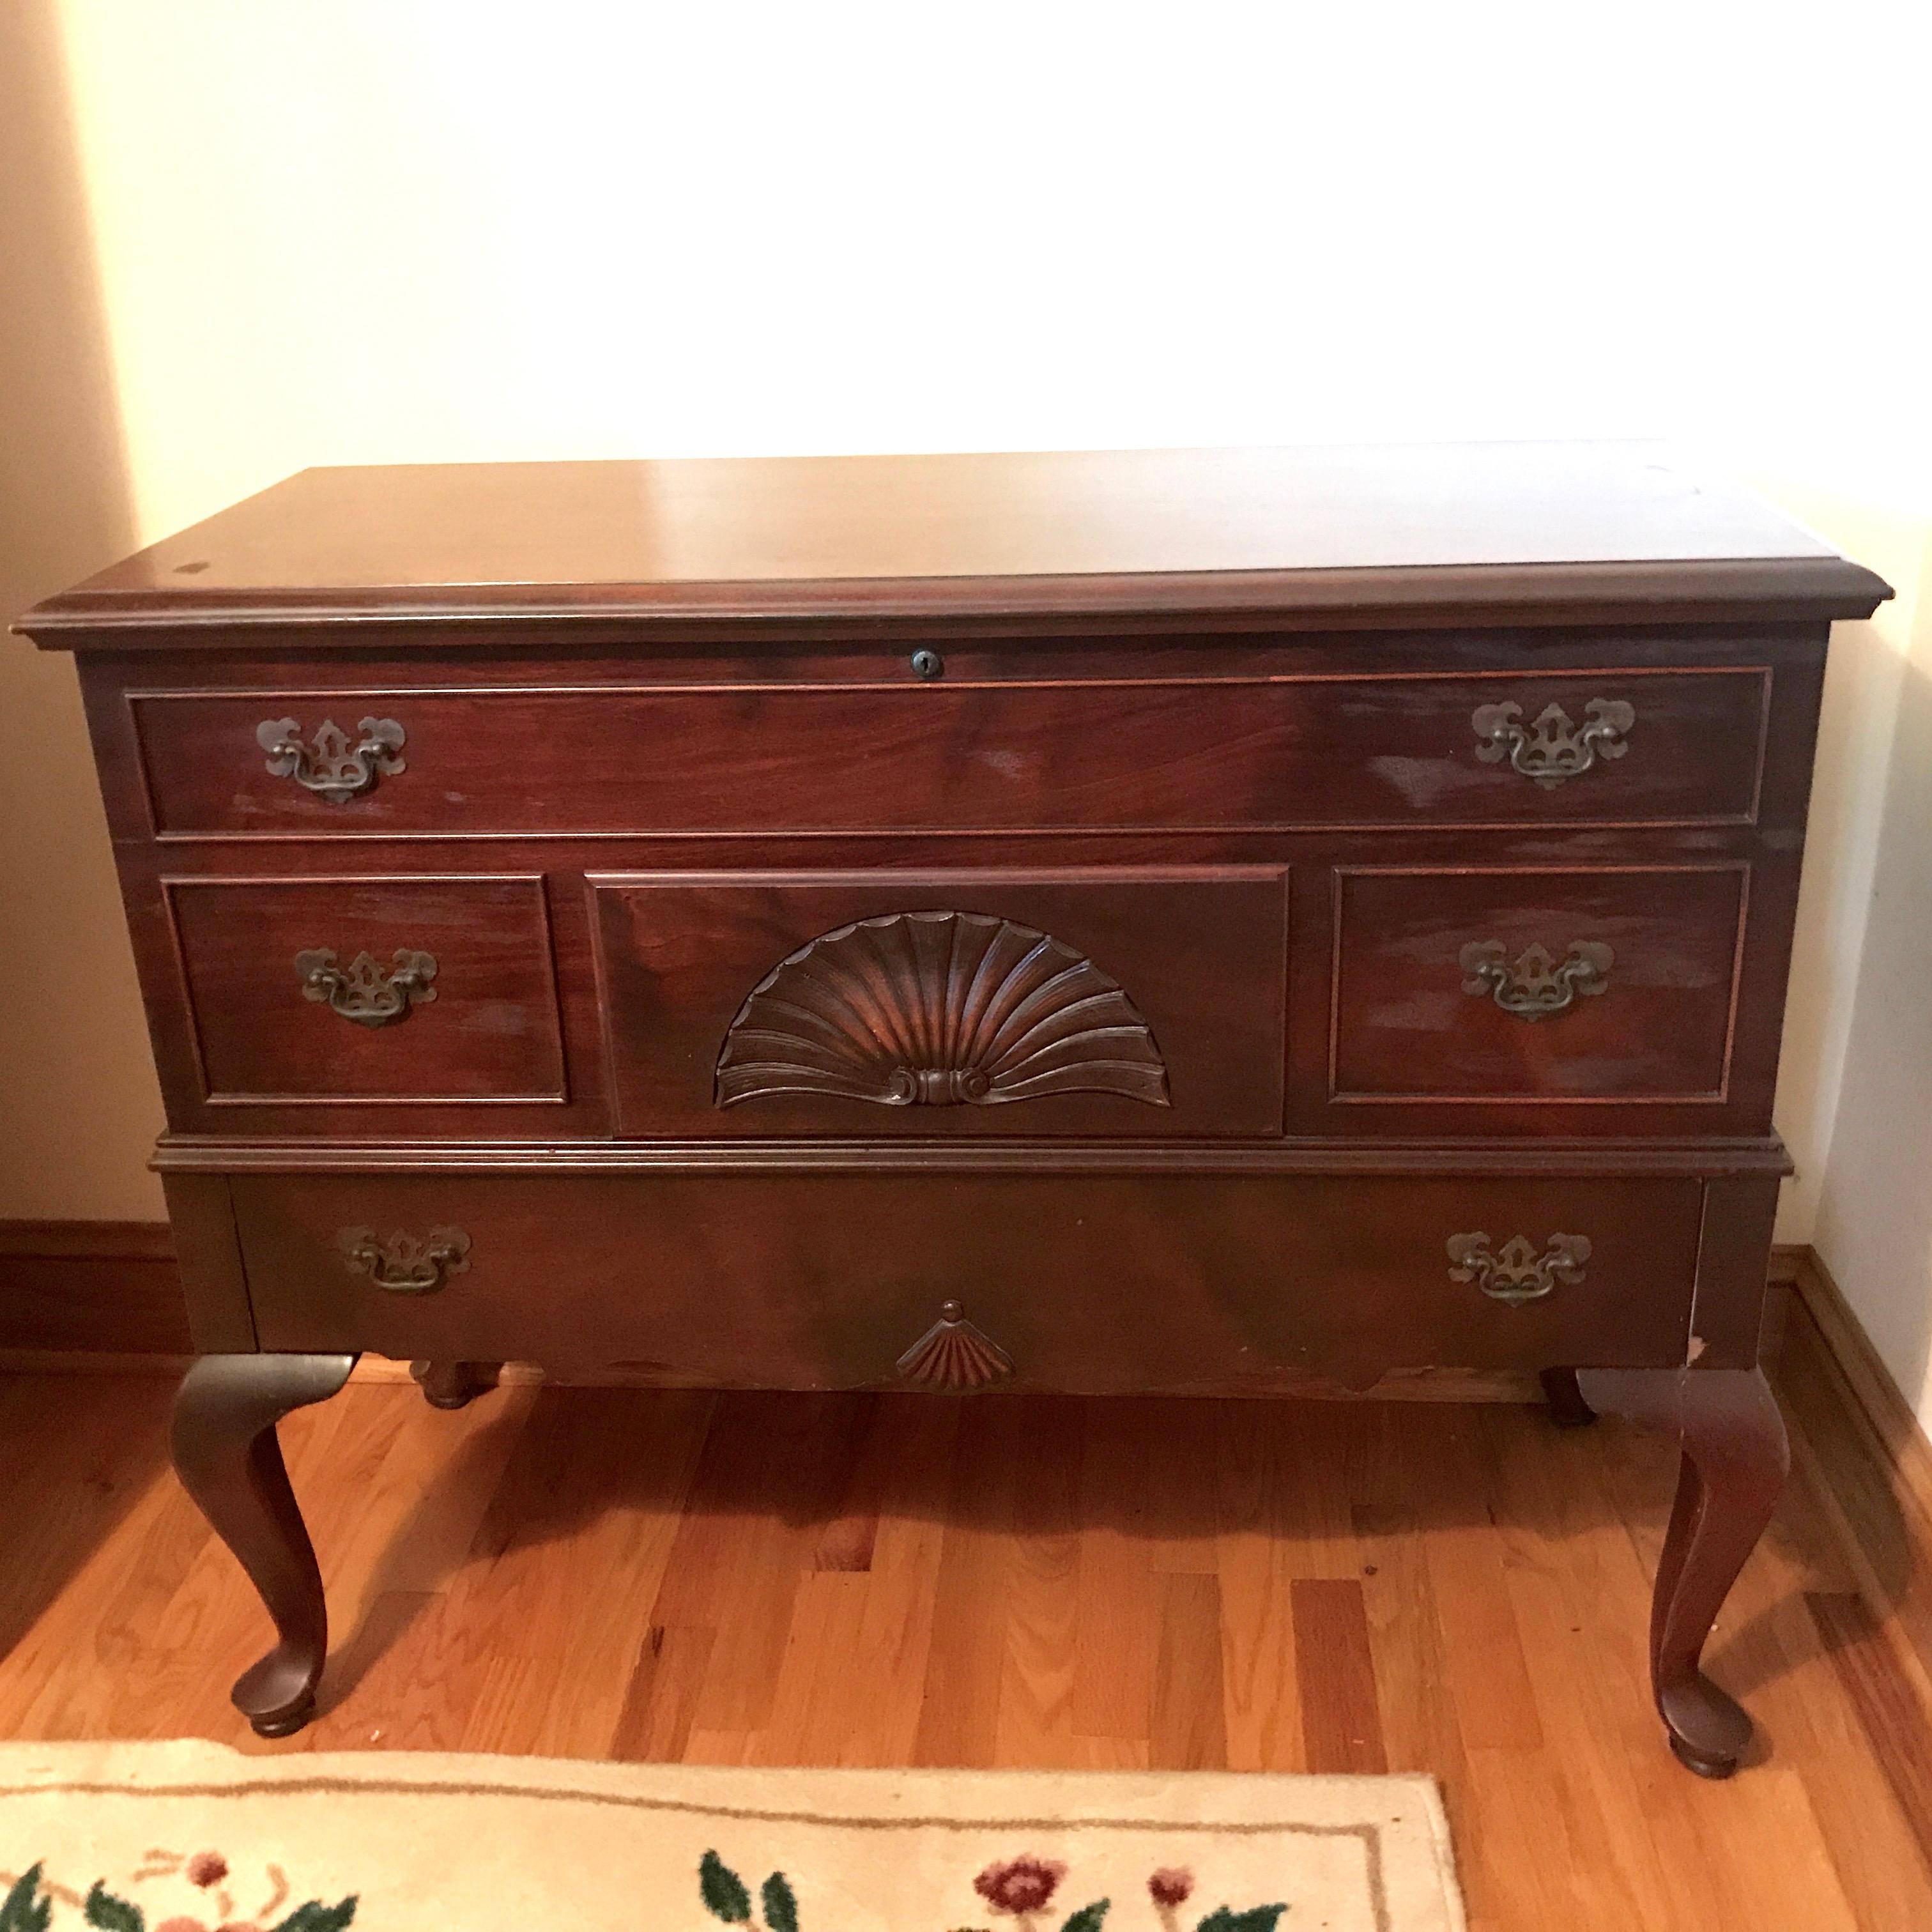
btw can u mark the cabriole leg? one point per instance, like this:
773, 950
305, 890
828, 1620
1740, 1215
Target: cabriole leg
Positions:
229, 1460
1735, 1457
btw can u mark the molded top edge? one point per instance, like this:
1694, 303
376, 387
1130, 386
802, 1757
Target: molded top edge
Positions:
1514, 533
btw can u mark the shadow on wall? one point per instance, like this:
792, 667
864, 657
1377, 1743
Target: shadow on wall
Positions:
79, 1106
1875, 1209
63, 485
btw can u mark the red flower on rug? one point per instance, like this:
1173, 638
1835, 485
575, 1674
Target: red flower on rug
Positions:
1020, 1885
1171, 1886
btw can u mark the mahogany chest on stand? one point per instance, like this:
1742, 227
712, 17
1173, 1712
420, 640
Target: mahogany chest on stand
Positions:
1181, 922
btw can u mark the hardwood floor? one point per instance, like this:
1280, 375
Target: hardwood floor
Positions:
1457, 1588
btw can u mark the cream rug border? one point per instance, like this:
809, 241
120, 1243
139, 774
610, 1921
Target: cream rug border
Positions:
1405, 1832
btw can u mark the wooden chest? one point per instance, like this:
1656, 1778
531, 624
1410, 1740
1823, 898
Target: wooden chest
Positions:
1184, 921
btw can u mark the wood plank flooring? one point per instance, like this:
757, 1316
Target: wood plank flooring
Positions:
884, 1580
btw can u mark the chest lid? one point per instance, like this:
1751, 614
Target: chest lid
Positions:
1443, 534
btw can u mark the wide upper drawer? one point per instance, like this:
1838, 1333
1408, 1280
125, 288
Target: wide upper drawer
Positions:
871, 1004
353, 991
1503, 749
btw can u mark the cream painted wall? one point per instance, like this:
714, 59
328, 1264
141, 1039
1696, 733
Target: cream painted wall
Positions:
79, 1106
1858, 732
1874, 1220
392, 229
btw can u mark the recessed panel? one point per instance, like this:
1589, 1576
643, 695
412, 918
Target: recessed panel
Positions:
353, 990
1482, 986
1094, 755
873, 1005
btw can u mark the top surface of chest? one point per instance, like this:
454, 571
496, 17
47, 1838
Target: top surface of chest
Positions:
1447, 534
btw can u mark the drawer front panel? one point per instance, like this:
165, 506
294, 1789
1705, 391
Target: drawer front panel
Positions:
1168, 1282
1613, 747
378, 990
1486, 986
875, 1005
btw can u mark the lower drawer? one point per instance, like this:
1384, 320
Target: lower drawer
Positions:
1087, 1283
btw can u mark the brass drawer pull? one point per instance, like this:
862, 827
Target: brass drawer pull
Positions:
362, 992
1552, 749
1536, 987
1516, 1272
406, 1263
952, 1354
329, 766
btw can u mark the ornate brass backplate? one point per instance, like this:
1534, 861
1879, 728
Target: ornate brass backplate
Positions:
328, 764
363, 991
1516, 1272
1552, 749
406, 1263
1536, 986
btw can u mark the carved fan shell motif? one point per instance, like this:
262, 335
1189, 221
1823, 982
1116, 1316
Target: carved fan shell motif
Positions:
939, 1008
953, 1354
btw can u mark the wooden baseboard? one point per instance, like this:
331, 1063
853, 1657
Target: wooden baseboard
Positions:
1890, 1434
1861, 1463
87, 1288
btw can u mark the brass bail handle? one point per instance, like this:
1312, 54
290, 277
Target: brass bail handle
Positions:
328, 764
403, 1263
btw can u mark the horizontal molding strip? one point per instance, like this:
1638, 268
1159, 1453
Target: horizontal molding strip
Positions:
1608, 1159
1785, 589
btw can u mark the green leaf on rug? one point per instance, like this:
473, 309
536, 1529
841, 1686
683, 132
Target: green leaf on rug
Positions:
722, 1890
781, 1906
316, 1917
1257, 1918
21, 1911
111, 1914
1088, 1917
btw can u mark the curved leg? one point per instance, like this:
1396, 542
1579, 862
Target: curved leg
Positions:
1735, 1458
228, 1459
454, 1384
1568, 1408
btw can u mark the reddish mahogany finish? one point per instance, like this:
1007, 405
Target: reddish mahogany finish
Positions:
1191, 1283
229, 1461
487, 1030
1539, 532
1084, 922
1647, 1018
1098, 753
1735, 1458
1199, 954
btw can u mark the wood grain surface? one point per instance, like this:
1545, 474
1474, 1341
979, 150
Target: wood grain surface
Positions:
1167, 1283
1407, 1026
490, 1033
1548, 527
1106, 753
1199, 954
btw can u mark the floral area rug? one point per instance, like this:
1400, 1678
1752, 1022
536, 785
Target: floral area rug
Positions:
194, 1838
